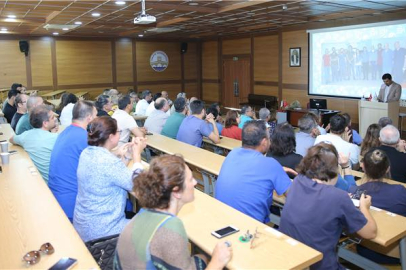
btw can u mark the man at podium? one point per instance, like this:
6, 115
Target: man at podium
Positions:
390, 91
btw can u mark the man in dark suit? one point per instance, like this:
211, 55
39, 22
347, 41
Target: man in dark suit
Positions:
390, 91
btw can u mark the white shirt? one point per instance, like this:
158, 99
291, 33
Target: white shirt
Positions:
156, 121
341, 146
387, 89
67, 115
125, 123
141, 108
150, 109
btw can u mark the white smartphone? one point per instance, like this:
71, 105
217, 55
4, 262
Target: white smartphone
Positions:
64, 264
225, 231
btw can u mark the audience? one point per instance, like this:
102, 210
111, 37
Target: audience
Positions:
231, 129
157, 119
151, 105
247, 114
283, 145
134, 98
193, 128
384, 121
179, 95
174, 121
338, 130
104, 180
65, 157
213, 110
371, 139
103, 105
9, 109
307, 134
125, 121
247, 178
270, 120
165, 95
385, 196
315, 213
67, 108
39, 141
390, 140
24, 124
355, 138
162, 191
21, 103
142, 105
58, 109
18, 87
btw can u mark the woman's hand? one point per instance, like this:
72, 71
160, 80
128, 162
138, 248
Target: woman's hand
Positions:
222, 254
344, 160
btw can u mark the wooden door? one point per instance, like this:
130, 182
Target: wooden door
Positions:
236, 81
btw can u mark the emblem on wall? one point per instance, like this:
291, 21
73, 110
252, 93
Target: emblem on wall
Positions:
159, 61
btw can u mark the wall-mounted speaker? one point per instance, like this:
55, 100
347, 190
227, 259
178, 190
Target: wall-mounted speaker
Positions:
183, 47
24, 47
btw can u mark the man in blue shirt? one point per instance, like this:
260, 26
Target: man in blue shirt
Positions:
193, 128
247, 114
65, 157
247, 178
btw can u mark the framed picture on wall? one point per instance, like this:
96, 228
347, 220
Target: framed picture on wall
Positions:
295, 57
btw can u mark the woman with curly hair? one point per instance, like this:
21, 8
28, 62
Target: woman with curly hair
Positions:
156, 238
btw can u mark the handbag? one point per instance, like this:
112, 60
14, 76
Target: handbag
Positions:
103, 250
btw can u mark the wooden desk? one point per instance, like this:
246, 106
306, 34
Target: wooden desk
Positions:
227, 144
54, 102
273, 250
81, 94
53, 94
207, 163
31, 216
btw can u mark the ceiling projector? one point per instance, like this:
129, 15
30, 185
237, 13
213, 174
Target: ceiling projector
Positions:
144, 19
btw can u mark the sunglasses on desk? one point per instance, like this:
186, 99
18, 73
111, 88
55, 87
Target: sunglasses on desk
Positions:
34, 256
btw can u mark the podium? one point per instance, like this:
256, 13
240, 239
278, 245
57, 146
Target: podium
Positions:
370, 112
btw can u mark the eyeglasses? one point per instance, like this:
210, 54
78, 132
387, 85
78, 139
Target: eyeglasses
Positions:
34, 256
119, 131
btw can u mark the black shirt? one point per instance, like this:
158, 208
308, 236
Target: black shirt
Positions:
101, 113
9, 112
15, 120
290, 160
397, 163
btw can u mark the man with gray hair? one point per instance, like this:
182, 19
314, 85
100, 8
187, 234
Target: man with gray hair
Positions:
142, 105
384, 121
307, 134
395, 150
21, 104
157, 119
179, 95
24, 122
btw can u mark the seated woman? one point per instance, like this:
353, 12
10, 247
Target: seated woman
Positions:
355, 138
371, 139
386, 196
231, 129
67, 109
103, 105
316, 212
156, 238
104, 180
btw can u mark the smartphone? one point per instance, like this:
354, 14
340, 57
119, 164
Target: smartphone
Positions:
13, 152
64, 264
225, 231
149, 133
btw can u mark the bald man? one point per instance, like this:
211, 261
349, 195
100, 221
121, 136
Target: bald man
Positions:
157, 119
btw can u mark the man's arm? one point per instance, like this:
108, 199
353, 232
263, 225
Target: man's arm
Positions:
214, 136
398, 92
138, 132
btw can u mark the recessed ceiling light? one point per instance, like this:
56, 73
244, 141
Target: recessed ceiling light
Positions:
120, 3
11, 16
95, 14
55, 33
65, 29
193, 4
78, 23
10, 20
3, 29
140, 35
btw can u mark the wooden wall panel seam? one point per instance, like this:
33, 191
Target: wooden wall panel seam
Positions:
54, 66
230, 56
113, 63
295, 86
266, 83
220, 67
252, 66
79, 86
182, 70
280, 75
134, 53
159, 82
199, 64
28, 69
211, 81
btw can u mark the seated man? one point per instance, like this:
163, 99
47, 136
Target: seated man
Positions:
338, 131
10, 108
213, 110
193, 128
247, 178
307, 134
39, 141
395, 150
65, 157
247, 114
174, 121
157, 119
142, 105
21, 103
151, 105
179, 95
24, 122
125, 122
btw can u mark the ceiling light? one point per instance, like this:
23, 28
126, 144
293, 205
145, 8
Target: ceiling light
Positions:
78, 23
140, 35
193, 4
12, 16
120, 3
65, 29
55, 33
3, 29
10, 20
95, 14
284, 7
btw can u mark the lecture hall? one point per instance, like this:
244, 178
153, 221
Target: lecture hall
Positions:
202, 134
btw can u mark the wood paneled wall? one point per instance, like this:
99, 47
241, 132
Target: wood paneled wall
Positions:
93, 65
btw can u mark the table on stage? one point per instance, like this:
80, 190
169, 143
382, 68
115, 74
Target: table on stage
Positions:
30, 216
